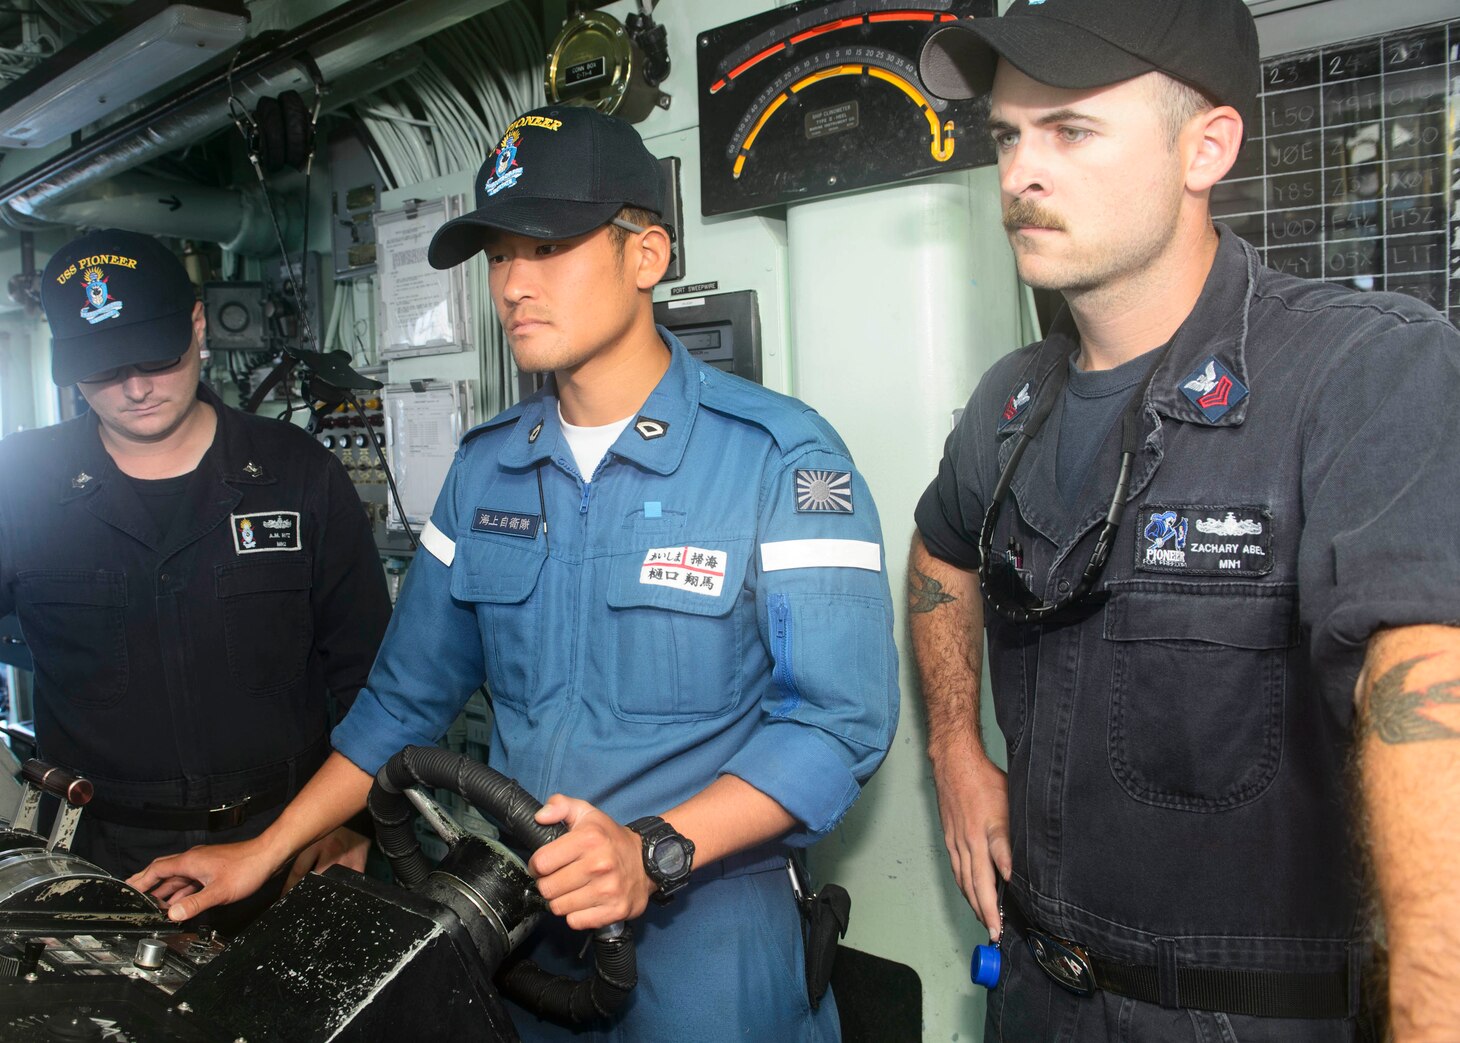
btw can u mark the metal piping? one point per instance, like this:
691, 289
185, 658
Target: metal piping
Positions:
348, 36
140, 202
49, 199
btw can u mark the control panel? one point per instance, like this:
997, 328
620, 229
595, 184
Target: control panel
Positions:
163, 960
347, 434
343, 433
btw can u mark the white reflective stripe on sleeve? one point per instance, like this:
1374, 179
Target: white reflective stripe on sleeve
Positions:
821, 554
442, 547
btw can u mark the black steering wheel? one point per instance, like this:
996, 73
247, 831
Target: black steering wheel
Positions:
394, 806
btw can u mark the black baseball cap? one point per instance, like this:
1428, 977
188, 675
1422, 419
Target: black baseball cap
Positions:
557, 173
1083, 44
115, 298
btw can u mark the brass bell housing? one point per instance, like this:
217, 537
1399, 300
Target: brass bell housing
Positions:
594, 61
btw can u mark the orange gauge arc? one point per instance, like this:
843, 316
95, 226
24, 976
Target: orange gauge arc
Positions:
943, 141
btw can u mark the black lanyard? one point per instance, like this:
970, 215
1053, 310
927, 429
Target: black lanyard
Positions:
1003, 588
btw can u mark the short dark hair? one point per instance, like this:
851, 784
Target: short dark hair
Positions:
635, 216
1178, 102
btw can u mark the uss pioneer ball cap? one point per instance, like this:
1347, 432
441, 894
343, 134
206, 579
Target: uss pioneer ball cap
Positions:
1083, 44
557, 172
115, 298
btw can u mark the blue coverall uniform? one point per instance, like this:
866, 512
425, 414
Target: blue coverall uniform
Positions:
712, 601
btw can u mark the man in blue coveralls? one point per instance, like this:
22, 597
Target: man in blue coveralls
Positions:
671, 580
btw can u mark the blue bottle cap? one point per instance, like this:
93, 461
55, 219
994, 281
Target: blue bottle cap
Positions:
987, 966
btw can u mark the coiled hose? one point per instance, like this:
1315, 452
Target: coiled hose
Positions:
566, 1000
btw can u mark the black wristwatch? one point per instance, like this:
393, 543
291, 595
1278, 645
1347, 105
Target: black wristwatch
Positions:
668, 855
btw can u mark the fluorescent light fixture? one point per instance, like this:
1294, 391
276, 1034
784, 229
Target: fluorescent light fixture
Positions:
146, 44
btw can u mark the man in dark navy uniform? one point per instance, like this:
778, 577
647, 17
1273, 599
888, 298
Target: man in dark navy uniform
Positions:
193, 582
1192, 522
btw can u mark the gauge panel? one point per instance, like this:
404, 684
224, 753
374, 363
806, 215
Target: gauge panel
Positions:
819, 98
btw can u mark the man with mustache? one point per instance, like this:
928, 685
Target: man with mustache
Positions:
1184, 521
671, 581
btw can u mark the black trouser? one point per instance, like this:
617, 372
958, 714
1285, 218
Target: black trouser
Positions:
1030, 1007
124, 850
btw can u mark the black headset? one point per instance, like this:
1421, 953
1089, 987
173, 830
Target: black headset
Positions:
279, 133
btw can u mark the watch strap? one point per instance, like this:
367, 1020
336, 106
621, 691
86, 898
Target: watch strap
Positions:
653, 829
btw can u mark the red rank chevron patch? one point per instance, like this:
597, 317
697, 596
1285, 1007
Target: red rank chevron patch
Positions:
1218, 395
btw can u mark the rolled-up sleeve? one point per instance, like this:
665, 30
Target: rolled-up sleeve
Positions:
1380, 469
824, 612
949, 514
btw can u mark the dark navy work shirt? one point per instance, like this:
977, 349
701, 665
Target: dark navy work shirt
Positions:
188, 665
1178, 755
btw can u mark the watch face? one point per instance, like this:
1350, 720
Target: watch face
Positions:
669, 857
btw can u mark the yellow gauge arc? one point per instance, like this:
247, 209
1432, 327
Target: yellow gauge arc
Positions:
941, 148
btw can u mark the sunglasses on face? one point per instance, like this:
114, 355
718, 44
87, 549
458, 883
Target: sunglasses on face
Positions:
106, 376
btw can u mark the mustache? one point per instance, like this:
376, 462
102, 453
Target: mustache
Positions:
1026, 212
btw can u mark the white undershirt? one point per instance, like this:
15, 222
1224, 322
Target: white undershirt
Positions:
589, 444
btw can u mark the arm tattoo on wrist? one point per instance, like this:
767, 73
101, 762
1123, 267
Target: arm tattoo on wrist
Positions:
924, 593
1398, 714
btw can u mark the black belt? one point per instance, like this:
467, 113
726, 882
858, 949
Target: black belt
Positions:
1266, 994
158, 817
224, 816
250, 792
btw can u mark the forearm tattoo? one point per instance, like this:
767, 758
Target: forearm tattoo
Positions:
924, 593
1399, 714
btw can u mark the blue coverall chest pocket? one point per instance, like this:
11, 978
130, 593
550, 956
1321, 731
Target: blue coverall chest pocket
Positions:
268, 623
1199, 675
75, 621
678, 630
498, 577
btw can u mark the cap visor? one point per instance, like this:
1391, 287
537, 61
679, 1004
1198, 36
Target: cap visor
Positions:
1059, 54
155, 340
532, 216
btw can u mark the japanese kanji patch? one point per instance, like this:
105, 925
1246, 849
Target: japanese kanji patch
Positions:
1202, 540
508, 523
827, 492
265, 531
694, 569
